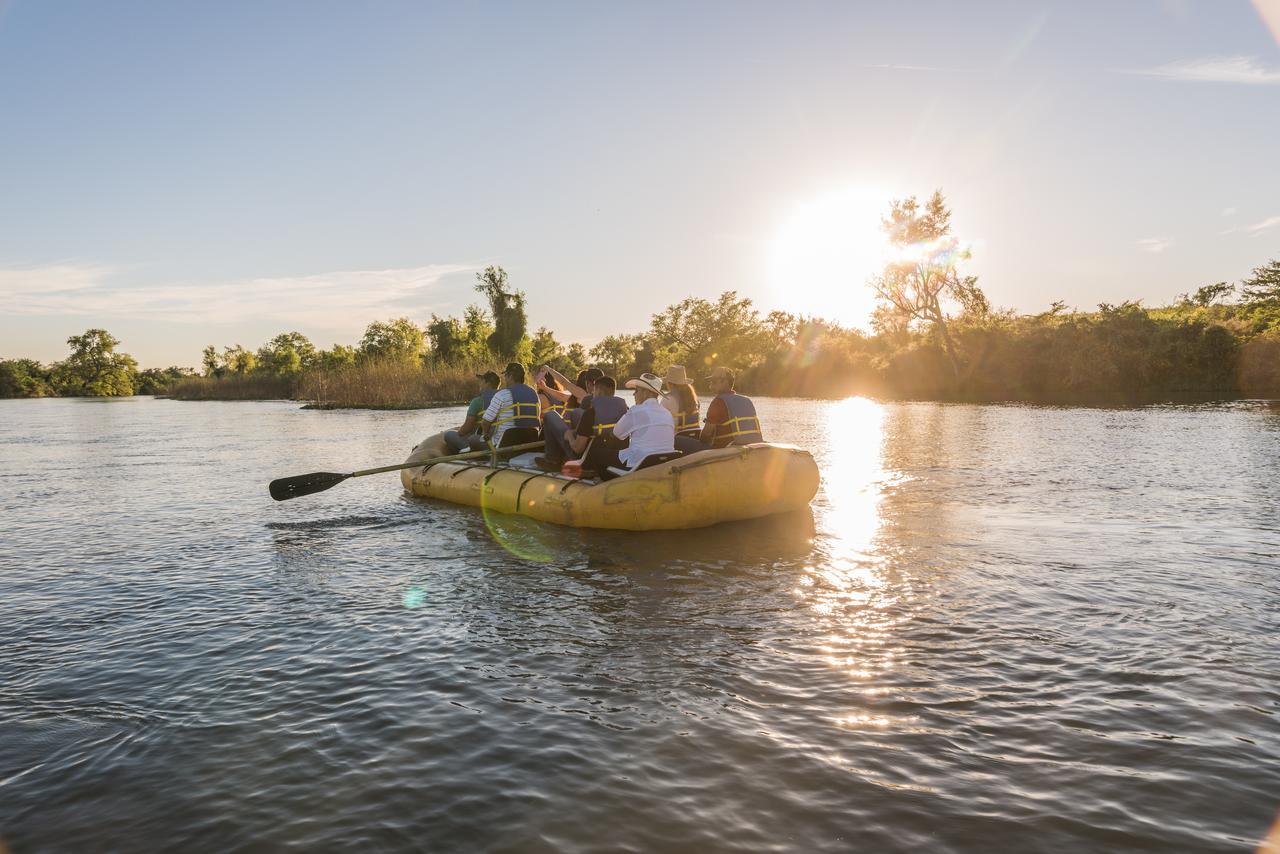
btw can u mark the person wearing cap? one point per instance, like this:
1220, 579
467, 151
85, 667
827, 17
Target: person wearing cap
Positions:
467, 437
515, 406
648, 427
731, 418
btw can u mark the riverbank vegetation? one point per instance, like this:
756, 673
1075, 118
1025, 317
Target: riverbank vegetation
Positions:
93, 369
934, 335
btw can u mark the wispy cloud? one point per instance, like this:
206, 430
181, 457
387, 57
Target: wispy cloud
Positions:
1256, 228
336, 300
1155, 244
1215, 69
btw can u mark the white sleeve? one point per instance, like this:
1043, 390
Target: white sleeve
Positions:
624, 426
491, 414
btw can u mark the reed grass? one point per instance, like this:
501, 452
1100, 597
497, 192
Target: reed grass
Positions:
388, 385
234, 387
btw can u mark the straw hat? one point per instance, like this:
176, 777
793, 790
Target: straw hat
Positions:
676, 375
647, 381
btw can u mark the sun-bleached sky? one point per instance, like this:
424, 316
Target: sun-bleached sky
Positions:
184, 174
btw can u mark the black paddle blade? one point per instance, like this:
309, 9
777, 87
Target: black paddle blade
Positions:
304, 484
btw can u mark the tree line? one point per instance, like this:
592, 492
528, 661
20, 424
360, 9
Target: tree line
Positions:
934, 335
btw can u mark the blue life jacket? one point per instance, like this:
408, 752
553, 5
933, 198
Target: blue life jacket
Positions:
742, 427
608, 411
485, 397
524, 409
686, 421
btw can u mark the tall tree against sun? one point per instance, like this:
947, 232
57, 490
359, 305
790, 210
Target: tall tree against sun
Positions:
922, 274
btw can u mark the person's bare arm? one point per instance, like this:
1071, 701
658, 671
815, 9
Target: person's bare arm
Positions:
468, 427
554, 393
574, 389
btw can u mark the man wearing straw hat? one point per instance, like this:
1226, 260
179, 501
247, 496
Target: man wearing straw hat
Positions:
648, 426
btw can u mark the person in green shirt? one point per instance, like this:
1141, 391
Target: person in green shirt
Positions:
468, 437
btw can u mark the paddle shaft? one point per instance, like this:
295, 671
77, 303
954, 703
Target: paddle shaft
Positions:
469, 455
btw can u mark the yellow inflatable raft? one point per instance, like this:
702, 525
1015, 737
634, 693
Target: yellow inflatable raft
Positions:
726, 484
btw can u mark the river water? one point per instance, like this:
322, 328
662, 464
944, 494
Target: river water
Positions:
1006, 627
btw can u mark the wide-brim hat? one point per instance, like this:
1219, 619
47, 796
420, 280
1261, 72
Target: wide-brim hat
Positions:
652, 382
676, 375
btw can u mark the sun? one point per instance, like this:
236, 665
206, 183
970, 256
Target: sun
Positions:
824, 250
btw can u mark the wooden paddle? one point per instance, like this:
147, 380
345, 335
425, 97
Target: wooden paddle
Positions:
285, 488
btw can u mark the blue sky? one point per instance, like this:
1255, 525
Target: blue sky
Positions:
185, 174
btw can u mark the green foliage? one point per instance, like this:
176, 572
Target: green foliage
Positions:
396, 340
210, 362
698, 334
287, 354
575, 357
1263, 287
24, 378
340, 355
448, 339
237, 360
94, 369
615, 353
160, 380
507, 308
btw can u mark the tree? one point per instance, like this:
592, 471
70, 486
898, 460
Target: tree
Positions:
507, 308
448, 339
1263, 287
396, 339
238, 360
1207, 295
209, 360
339, 356
477, 329
24, 378
158, 380
94, 369
915, 286
615, 353
544, 348
286, 354
698, 333
575, 356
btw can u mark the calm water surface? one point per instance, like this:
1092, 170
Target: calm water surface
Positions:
999, 627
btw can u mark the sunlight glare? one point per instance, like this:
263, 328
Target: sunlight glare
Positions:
824, 251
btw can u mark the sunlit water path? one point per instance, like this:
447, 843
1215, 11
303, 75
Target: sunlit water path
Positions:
999, 628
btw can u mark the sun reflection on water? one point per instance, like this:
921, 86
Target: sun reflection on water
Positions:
849, 588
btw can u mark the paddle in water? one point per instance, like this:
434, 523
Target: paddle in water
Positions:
285, 488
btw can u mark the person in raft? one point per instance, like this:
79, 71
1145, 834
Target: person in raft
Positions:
561, 441
681, 400
513, 414
648, 427
731, 418
467, 437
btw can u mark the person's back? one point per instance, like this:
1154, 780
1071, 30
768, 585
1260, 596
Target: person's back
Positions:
681, 400
731, 417
467, 436
515, 406
647, 427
